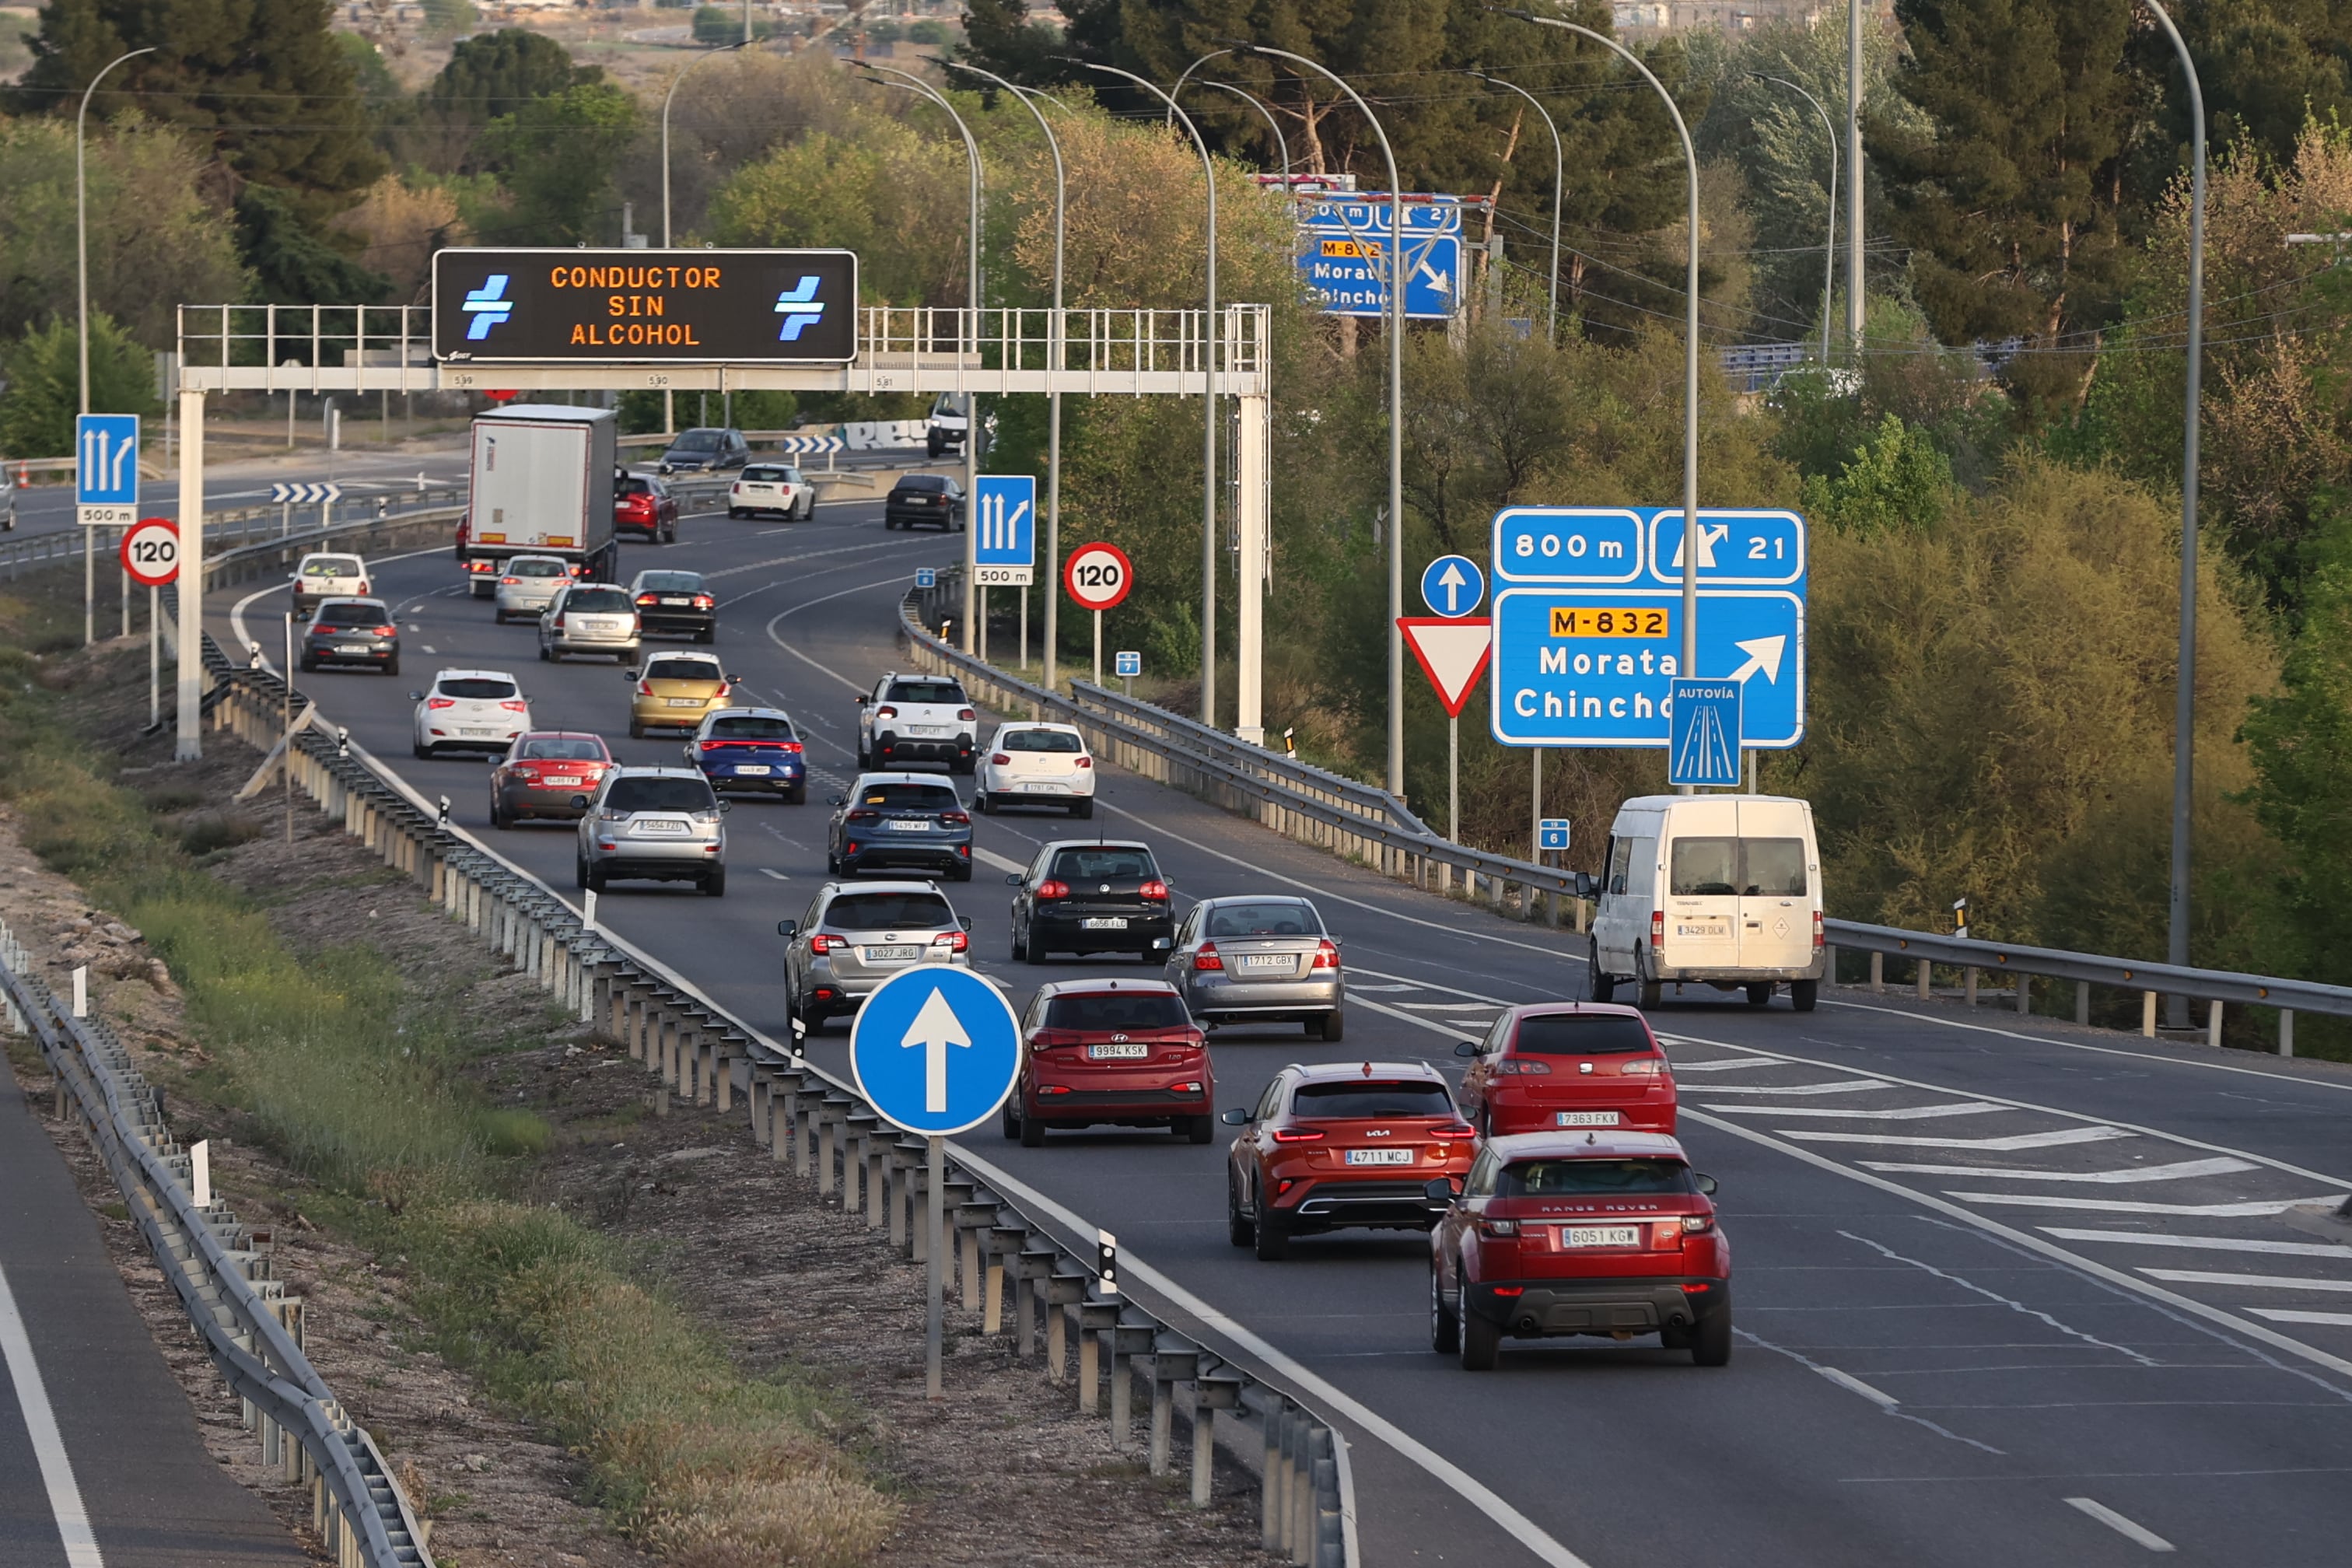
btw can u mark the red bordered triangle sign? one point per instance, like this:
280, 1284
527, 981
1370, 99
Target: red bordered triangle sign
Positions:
1451, 653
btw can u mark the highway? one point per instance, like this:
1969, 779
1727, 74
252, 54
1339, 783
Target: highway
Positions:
2007, 1292
229, 487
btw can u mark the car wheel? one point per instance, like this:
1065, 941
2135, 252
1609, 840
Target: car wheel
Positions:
707, 635
808, 509
982, 805
1032, 951
1804, 994
595, 877
309, 666
1444, 1328
714, 886
1032, 1132
865, 759
544, 656
1238, 1228
1201, 1129
498, 619
1650, 992
734, 511
637, 730
579, 870
796, 795
1481, 1339
1082, 808
1600, 986
499, 818
391, 666
1273, 1239
959, 873
1711, 1340
422, 751
1759, 995
1333, 1024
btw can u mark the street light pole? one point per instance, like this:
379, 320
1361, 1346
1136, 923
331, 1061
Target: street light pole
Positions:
669, 404
1828, 248
1209, 334
1853, 179
1690, 344
81, 275
1558, 178
1281, 142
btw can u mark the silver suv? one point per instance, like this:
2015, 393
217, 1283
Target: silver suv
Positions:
655, 824
855, 935
592, 618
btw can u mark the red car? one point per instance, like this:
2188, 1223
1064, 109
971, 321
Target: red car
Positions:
1340, 1145
1568, 1065
1608, 1233
643, 505
542, 770
1123, 1052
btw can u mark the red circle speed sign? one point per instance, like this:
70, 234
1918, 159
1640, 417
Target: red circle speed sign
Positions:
151, 552
1097, 575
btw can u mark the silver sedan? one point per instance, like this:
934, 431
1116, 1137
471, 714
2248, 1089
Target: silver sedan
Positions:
1259, 960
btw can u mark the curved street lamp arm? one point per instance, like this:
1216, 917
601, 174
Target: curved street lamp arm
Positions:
1559, 180
1186, 75
81, 215
675, 82
1828, 267
1281, 142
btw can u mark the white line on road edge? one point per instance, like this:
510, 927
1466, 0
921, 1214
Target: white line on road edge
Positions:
2288, 1315
1002, 862
2206, 1243
812, 603
1853, 1384
2137, 1534
49, 1445
2259, 1281
237, 612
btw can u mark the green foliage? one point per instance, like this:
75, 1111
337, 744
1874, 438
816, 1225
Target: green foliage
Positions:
558, 154
999, 37
488, 75
715, 25
290, 263
929, 33
43, 369
370, 75
449, 18
1898, 482
882, 191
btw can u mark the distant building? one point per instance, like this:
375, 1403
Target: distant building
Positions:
1649, 18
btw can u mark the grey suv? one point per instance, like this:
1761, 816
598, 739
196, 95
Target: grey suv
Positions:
854, 936
653, 823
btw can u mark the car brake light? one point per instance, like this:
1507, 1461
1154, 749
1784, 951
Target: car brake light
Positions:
509, 581
1522, 1067
645, 687
437, 703
1085, 762
1817, 933
387, 631
364, 585
886, 712
956, 818
1667, 1234
793, 747
957, 940
703, 600
1502, 1229
647, 599
1697, 1224
712, 745
1053, 890
1657, 930
821, 942
966, 714
1208, 958
1458, 1129
1154, 888
557, 623
1000, 758
864, 815
515, 705
1299, 1134
1643, 1067
1326, 955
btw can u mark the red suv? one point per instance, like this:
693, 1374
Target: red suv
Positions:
1609, 1234
1118, 1051
642, 504
1338, 1145
1568, 1065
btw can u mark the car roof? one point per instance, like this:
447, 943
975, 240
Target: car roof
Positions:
1041, 724
1098, 844
910, 885
1600, 1143
666, 572
1105, 988
333, 555
711, 659
629, 772
1259, 898
1547, 1009
747, 713
538, 555
862, 780
1334, 1072
562, 735
348, 599
442, 675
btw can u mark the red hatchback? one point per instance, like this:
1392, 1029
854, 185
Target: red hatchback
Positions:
1340, 1145
1610, 1234
542, 772
1568, 1065
1122, 1052
643, 505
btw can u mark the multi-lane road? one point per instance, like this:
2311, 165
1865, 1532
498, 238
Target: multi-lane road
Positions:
2006, 1292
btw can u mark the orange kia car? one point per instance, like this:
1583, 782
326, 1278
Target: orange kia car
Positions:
1342, 1145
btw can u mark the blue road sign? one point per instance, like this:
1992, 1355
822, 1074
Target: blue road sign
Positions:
1551, 833
936, 1049
1703, 741
106, 467
1453, 586
927, 577
1371, 213
1128, 663
1004, 530
1643, 544
1349, 272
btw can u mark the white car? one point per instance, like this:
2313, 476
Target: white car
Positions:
469, 710
771, 487
527, 582
1030, 763
324, 577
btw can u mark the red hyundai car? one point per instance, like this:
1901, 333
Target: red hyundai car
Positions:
1122, 1052
1608, 1233
1568, 1065
1340, 1145
644, 506
541, 773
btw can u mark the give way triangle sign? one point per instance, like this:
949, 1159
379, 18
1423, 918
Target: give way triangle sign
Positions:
1453, 654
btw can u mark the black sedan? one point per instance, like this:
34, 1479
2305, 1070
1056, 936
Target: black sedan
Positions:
358, 632
934, 501
1091, 896
677, 604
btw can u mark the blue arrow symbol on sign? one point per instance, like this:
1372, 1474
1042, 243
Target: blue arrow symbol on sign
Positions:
935, 1028
801, 309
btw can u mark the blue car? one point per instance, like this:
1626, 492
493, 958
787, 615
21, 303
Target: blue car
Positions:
901, 822
750, 749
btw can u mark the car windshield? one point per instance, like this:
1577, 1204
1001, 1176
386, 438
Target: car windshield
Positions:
348, 613
910, 797
597, 601
939, 692
923, 482
567, 750
768, 476
1104, 866
1748, 867
889, 911
1362, 1099
670, 583
1040, 740
1118, 1011
698, 441
683, 669
660, 795
1282, 919
1582, 1034
332, 566
752, 727
543, 566
637, 487
477, 688
1551, 1178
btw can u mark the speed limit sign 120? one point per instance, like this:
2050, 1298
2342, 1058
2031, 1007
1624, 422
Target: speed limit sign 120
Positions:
1097, 575
151, 552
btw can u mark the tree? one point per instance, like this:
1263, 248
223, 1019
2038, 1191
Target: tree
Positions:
558, 155
44, 373
999, 37
496, 74
401, 225
290, 264
1898, 483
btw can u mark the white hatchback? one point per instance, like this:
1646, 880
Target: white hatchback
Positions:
771, 487
469, 710
527, 582
1030, 763
324, 577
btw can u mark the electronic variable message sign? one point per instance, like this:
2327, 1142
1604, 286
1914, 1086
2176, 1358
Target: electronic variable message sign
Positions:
652, 307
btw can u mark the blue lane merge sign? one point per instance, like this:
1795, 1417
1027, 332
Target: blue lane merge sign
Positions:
936, 1049
106, 462
1005, 529
1703, 742
1453, 586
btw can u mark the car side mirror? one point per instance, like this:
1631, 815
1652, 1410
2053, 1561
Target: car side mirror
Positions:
1707, 1185
1467, 1048
1011, 881
964, 920
1235, 1118
863, 700
1439, 1190
788, 928
836, 800
630, 676
581, 801
1588, 885
734, 680
724, 807
416, 697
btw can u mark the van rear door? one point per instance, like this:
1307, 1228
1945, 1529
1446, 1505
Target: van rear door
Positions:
1702, 901
1776, 892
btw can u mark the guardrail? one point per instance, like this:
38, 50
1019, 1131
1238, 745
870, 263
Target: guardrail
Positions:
221, 1269
701, 1054
240, 525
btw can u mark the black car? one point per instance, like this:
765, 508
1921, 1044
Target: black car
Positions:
904, 820
697, 451
676, 603
932, 499
1091, 896
352, 632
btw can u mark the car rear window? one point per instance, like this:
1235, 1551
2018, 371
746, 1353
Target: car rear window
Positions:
1118, 1011
563, 751
923, 482
752, 727
1550, 1178
926, 691
332, 566
768, 476
1748, 867
543, 567
1356, 1100
597, 601
478, 689
671, 581
349, 613
1262, 919
661, 794
1040, 740
698, 441
676, 668
635, 487
910, 797
1105, 865
1582, 1034
889, 911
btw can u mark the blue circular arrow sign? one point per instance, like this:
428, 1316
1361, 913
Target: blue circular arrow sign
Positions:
1453, 586
936, 1049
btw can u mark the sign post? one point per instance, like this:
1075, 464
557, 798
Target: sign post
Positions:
1097, 576
935, 1050
151, 557
1128, 663
1451, 650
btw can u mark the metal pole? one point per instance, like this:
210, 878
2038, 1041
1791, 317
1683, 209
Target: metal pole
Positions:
1690, 348
81, 279
1396, 414
1184, 76
1558, 179
1454, 781
1281, 142
1534, 797
1854, 178
286, 726
1097, 648
934, 1249
1829, 247
154, 662
669, 405
2184, 708
188, 740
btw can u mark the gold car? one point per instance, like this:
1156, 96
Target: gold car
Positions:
674, 690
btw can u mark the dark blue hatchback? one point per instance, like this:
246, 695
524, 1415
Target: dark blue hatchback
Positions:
911, 821
753, 750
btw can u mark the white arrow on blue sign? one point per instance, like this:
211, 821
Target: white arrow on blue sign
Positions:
306, 494
106, 469
1453, 586
1004, 530
936, 1049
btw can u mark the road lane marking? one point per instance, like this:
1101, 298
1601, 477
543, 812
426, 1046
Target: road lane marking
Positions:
1840, 1086
1682, 1067
1846, 1113
1451, 1007
2137, 1534
1886, 1402
2260, 1281
2119, 1205
2015, 1306
49, 1445
779, 876
1002, 862
2130, 1176
1853, 1384
2057, 1138
2210, 1243
2289, 1315
1434, 1026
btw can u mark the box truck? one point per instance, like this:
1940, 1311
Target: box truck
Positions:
542, 482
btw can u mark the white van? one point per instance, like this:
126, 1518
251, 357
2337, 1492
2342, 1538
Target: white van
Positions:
1722, 890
